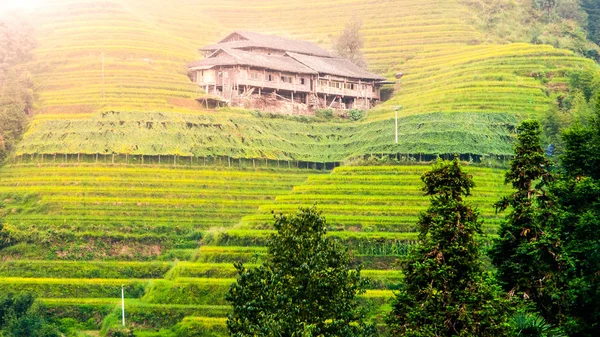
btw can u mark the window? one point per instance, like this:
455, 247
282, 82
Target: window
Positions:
302, 80
337, 85
323, 83
286, 79
270, 78
349, 86
254, 76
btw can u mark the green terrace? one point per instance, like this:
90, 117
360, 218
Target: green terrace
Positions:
170, 235
240, 139
129, 213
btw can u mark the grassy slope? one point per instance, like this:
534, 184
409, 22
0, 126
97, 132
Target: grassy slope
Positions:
146, 44
458, 96
87, 212
148, 222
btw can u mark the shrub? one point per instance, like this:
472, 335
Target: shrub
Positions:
355, 114
324, 113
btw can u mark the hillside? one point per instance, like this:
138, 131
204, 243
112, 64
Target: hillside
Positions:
450, 70
171, 235
123, 179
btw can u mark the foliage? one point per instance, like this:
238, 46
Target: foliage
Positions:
592, 8
560, 23
578, 195
526, 324
121, 332
19, 317
445, 290
350, 42
17, 41
528, 251
355, 114
324, 113
305, 287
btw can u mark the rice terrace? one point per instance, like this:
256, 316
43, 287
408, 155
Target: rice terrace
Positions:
299, 168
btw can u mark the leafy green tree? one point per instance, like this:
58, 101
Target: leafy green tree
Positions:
445, 291
528, 253
304, 288
592, 8
20, 317
578, 195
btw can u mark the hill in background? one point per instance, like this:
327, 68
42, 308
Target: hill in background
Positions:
455, 72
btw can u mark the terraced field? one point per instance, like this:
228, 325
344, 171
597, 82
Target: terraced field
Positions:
247, 138
170, 236
372, 199
127, 213
453, 76
99, 54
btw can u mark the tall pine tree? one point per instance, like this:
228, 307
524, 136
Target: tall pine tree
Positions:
578, 195
445, 291
527, 253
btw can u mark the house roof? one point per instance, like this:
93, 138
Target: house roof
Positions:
228, 57
310, 60
252, 39
334, 66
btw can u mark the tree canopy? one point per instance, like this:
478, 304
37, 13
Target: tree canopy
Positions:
528, 253
445, 290
304, 288
350, 42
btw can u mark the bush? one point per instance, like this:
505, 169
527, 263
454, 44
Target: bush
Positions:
355, 114
324, 113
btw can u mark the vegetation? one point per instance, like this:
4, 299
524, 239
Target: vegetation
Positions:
123, 179
527, 252
350, 42
491, 85
304, 287
127, 213
372, 199
445, 291
245, 137
592, 8
548, 245
577, 194
17, 40
20, 317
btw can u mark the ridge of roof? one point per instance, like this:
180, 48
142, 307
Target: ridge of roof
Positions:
269, 41
241, 57
334, 66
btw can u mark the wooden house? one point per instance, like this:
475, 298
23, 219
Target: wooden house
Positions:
247, 65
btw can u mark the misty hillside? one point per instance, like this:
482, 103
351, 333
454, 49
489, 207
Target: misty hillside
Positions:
451, 61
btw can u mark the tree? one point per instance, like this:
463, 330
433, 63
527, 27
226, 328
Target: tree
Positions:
17, 40
577, 192
592, 8
527, 253
304, 288
445, 291
21, 317
350, 42
546, 5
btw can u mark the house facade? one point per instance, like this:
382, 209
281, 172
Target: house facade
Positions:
247, 66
